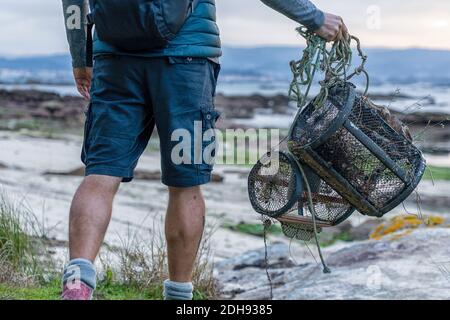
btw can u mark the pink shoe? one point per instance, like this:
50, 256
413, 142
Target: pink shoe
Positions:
77, 292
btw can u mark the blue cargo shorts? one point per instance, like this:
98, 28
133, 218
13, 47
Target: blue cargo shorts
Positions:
131, 95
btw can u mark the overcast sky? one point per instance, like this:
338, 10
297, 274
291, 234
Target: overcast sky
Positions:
36, 26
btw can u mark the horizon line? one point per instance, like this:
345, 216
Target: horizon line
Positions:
244, 47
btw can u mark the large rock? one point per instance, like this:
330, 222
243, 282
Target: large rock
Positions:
413, 266
33, 104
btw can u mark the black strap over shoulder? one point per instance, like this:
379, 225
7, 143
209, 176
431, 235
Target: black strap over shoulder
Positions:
89, 42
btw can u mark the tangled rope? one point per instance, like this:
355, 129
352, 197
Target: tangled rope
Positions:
334, 62
326, 269
267, 224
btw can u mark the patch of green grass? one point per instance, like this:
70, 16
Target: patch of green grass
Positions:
114, 291
328, 241
28, 273
123, 292
14, 243
19, 241
437, 173
52, 291
254, 229
9, 292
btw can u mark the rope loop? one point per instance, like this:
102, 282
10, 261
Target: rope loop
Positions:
333, 62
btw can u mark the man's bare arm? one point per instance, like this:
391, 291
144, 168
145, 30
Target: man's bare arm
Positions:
75, 12
326, 25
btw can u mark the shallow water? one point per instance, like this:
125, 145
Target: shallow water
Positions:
418, 93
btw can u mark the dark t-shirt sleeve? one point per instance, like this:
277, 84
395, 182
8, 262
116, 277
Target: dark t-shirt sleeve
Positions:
75, 12
302, 11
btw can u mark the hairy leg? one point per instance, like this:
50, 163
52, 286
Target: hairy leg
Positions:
185, 221
90, 215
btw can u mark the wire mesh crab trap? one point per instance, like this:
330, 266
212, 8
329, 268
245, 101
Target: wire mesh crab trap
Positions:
350, 145
279, 187
343, 153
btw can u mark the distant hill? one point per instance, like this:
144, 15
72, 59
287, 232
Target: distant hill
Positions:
384, 65
52, 62
53, 69
261, 63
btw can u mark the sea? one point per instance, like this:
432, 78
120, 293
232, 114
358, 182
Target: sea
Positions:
411, 98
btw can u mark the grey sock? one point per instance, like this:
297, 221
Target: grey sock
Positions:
178, 290
80, 270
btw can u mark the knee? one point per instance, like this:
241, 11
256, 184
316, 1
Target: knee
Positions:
101, 184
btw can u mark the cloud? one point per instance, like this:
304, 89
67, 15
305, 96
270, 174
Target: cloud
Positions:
402, 23
37, 27
32, 27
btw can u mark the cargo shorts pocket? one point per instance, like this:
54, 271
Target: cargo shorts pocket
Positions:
209, 117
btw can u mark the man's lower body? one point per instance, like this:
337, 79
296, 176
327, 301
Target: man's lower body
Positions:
129, 96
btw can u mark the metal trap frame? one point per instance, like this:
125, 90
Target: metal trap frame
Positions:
343, 152
281, 188
349, 144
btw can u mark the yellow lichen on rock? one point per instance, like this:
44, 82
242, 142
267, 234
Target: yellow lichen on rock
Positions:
407, 223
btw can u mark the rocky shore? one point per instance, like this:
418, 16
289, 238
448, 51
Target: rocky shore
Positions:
45, 170
28, 108
413, 266
32, 104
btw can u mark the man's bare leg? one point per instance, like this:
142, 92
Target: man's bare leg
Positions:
90, 215
185, 221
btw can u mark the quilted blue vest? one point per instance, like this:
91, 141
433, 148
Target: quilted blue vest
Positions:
199, 37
